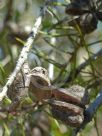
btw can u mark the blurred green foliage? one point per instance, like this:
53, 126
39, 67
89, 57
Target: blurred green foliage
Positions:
59, 48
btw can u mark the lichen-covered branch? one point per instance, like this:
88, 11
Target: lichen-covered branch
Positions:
24, 52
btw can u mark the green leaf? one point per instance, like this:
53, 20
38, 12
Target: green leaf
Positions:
6, 101
6, 130
27, 101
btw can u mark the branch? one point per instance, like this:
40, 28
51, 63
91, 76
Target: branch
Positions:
90, 111
9, 11
18, 91
24, 52
82, 66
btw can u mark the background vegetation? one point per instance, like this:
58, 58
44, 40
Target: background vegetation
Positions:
59, 48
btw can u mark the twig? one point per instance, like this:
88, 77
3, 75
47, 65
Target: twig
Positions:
96, 126
94, 83
90, 111
24, 52
9, 11
6, 60
82, 66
